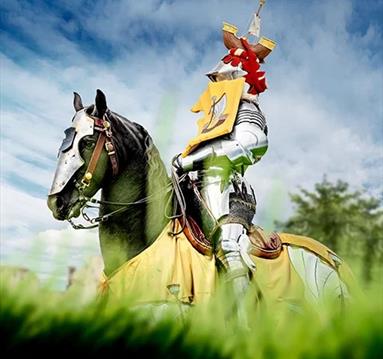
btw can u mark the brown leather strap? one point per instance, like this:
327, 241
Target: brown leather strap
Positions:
105, 138
109, 146
262, 245
94, 159
196, 237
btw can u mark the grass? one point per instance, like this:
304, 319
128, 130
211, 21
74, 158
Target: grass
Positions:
36, 320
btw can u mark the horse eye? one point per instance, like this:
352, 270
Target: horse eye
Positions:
88, 142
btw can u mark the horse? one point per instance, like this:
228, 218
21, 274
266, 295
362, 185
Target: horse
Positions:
145, 248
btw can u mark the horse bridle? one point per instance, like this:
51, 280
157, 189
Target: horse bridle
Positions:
104, 140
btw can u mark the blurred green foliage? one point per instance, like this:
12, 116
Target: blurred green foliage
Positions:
348, 222
36, 320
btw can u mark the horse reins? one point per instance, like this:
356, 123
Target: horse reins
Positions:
104, 140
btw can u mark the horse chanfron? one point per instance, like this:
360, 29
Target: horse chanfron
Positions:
69, 157
69, 189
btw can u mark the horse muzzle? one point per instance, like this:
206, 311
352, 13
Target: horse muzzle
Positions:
62, 209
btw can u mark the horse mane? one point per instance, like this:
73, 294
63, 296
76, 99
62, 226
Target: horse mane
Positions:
131, 140
134, 146
128, 138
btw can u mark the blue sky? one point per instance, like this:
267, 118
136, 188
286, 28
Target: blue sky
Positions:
323, 106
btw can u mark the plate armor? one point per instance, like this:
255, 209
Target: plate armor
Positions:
221, 163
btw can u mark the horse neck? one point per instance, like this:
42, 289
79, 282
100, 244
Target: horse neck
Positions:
125, 235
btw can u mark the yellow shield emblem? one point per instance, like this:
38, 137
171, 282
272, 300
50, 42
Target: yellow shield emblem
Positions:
219, 104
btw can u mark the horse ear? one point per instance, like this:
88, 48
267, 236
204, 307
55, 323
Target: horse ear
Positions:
100, 104
77, 102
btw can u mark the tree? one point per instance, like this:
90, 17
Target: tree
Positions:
348, 222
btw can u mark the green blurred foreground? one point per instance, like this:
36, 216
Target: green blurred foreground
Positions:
39, 321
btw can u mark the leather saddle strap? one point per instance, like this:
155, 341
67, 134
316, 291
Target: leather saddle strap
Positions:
195, 236
95, 157
268, 247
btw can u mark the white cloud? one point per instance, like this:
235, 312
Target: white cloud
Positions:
22, 212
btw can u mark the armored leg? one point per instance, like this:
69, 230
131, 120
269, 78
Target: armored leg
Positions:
232, 203
229, 254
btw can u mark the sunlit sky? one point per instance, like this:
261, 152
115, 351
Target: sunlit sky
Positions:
324, 104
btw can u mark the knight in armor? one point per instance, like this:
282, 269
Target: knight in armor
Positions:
232, 136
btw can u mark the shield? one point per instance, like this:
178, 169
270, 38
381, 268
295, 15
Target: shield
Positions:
219, 103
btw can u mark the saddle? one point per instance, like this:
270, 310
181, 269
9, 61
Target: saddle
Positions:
262, 245
203, 234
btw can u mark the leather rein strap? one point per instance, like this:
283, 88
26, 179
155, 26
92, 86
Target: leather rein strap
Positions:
104, 140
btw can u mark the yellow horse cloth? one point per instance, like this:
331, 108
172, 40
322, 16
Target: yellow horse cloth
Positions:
172, 262
169, 261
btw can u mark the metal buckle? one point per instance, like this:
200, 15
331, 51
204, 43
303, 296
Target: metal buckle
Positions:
85, 181
109, 148
107, 128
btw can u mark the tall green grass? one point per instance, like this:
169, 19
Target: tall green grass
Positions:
38, 320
